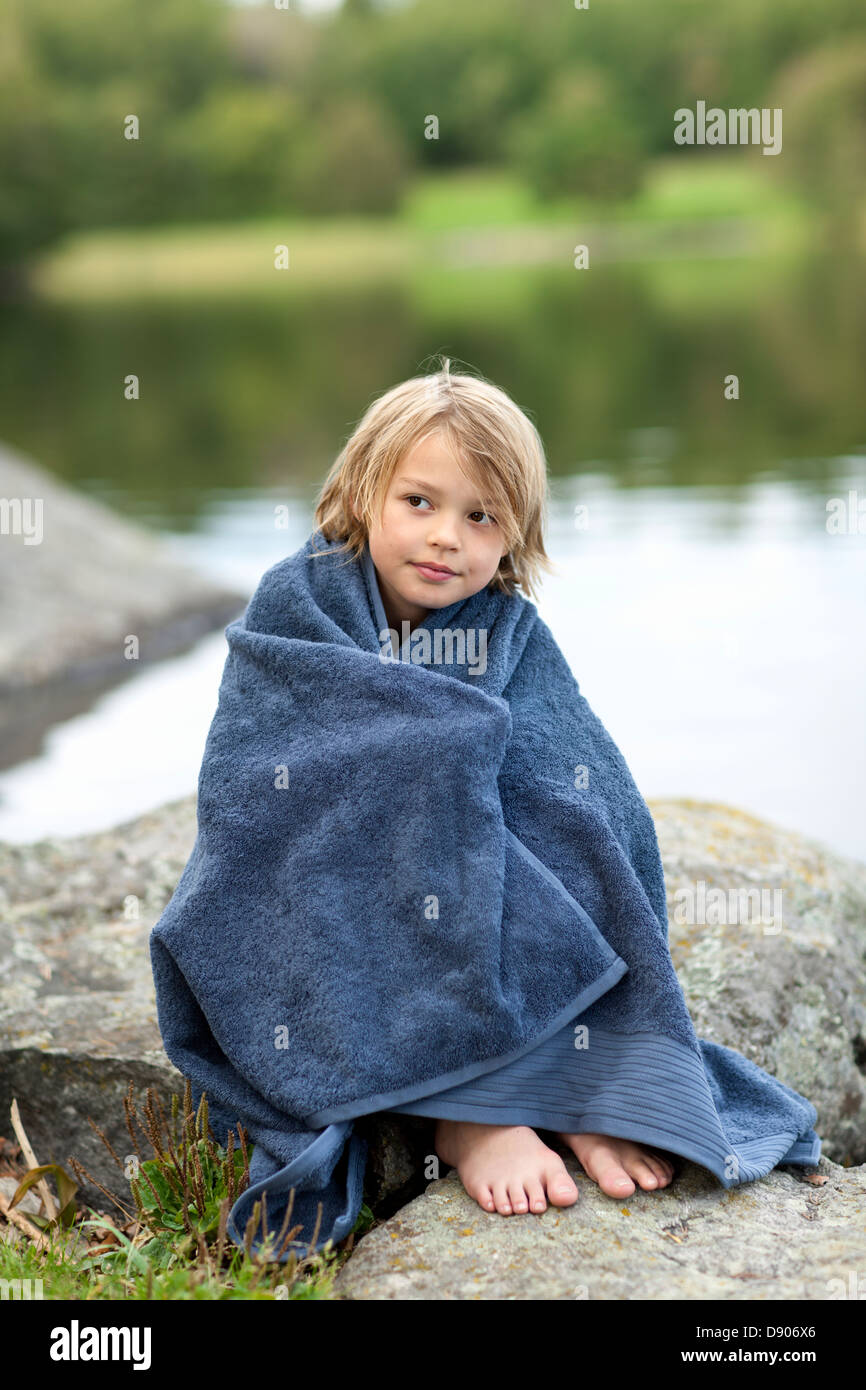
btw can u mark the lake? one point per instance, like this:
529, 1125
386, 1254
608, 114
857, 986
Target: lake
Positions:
712, 620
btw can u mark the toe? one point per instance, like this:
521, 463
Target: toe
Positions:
561, 1189
638, 1168
518, 1197
535, 1193
484, 1197
661, 1169
501, 1197
611, 1176
645, 1176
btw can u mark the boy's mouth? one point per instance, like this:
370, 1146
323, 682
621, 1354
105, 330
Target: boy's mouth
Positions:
432, 571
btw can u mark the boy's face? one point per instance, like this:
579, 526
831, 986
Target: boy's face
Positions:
432, 512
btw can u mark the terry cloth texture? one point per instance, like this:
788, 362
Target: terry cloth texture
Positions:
418, 869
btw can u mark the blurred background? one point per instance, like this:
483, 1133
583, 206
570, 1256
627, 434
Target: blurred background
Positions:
712, 614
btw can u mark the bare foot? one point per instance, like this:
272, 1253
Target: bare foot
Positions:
506, 1168
616, 1164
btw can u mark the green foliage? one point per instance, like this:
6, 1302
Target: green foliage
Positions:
130, 1271
174, 1246
247, 112
365, 1220
351, 158
166, 1205
823, 97
66, 1190
69, 76
182, 1197
578, 141
191, 1180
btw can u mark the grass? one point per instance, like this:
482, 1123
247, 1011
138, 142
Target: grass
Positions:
675, 189
65, 1273
169, 1241
339, 253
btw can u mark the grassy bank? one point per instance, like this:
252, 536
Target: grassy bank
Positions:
167, 1238
474, 220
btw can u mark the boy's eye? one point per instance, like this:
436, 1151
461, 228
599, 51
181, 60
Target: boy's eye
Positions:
416, 497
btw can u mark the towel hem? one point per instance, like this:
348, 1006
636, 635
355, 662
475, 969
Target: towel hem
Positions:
388, 1099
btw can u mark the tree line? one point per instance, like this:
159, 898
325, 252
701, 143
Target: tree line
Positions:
245, 112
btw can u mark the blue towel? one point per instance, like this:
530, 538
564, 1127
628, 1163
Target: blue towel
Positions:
415, 866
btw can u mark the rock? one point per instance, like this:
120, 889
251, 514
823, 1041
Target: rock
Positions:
793, 1000
69, 600
77, 1007
399, 1147
30, 1204
78, 1015
776, 1238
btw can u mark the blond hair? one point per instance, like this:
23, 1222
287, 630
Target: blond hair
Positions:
490, 437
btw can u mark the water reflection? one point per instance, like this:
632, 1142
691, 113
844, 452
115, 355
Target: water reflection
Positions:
718, 638
624, 363
708, 614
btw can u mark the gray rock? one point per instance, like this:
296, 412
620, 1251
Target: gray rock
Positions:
776, 1238
77, 1008
791, 999
29, 1203
399, 1148
69, 600
78, 1015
